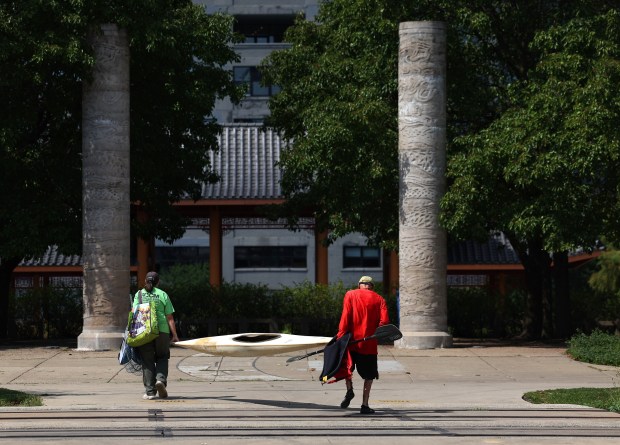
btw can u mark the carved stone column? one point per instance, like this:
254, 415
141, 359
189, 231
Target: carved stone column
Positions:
422, 154
105, 191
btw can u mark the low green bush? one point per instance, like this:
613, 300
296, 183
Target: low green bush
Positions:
589, 306
306, 308
598, 347
193, 296
474, 312
48, 312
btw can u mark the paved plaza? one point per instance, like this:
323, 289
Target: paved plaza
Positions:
471, 393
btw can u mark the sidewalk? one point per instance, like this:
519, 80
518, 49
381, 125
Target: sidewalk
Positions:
481, 377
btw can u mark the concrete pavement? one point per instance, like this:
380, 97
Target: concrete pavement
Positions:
471, 393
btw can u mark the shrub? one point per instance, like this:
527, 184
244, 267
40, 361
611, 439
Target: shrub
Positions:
312, 309
470, 312
598, 347
474, 312
196, 302
307, 308
590, 306
50, 312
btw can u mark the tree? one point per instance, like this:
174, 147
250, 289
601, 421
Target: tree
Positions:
177, 72
338, 105
545, 172
339, 100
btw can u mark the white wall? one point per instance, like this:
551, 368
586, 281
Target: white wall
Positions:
277, 278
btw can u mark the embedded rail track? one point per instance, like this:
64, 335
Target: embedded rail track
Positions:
271, 423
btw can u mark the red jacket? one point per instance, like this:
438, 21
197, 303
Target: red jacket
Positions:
363, 312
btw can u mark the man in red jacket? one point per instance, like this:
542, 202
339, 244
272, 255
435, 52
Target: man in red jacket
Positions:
363, 312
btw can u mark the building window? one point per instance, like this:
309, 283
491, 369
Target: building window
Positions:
240, 120
263, 28
270, 257
169, 256
250, 75
361, 257
467, 280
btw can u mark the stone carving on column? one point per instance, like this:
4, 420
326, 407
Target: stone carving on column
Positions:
422, 154
105, 191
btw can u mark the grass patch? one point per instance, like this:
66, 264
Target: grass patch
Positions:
602, 398
597, 348
8, 397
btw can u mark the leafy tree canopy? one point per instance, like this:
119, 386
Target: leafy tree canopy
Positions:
338, 105
177, 57
339, 97
547, 168
532, 123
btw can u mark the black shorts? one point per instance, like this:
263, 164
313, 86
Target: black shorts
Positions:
366, 365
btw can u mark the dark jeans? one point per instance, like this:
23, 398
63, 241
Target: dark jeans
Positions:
155, 356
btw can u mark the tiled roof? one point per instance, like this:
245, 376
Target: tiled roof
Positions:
497, 250
52, 257
246, 163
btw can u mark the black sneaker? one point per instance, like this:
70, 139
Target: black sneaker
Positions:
347, 398
366, 410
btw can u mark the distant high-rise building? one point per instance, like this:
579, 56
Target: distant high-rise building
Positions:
263, 24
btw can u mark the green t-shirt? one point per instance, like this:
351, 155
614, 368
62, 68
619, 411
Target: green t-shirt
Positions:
163, 306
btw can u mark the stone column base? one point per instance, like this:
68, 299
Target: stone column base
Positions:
424, 340
100, 340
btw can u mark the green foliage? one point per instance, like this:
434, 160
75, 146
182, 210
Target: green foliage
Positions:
41, 66
48, 313
474, 312
243, 300
338, 103
544, 171
470, 312
533, 107
196, 301
310, 300
189, 288
607, 276
591, 305
598, 347
9, 397
302, 309
178, 59
307, 308
601, 398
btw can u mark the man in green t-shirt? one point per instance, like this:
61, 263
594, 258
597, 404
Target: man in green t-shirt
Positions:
155, 355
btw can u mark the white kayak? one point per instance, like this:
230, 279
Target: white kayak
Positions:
253, 344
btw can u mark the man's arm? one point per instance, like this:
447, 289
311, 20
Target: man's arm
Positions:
385, 317
173, 328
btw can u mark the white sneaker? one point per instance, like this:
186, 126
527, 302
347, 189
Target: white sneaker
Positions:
161, 389
149, 397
